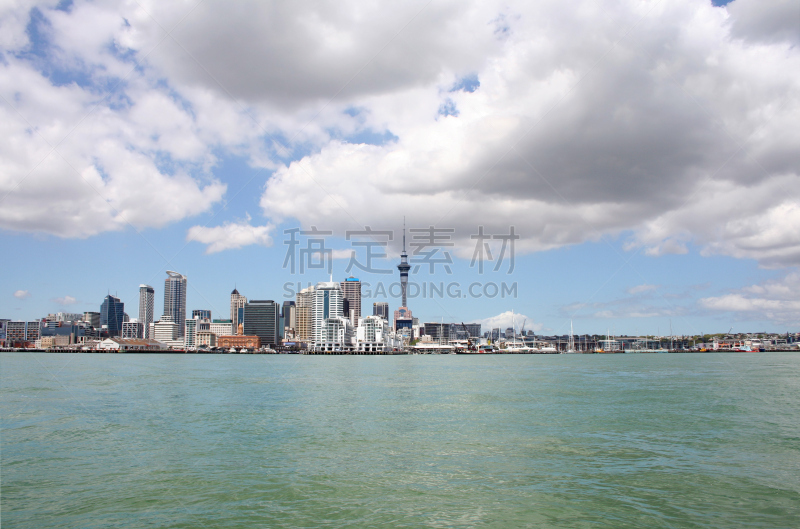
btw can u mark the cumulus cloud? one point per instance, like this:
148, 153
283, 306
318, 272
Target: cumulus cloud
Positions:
775, 300
506, 319
672, 122
230, 235
66, 300
568, 144
22, 294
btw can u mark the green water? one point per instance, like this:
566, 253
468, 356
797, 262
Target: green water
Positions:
660, 440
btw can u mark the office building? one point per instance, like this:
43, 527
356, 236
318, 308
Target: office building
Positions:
473, 329
175, 298
403, 318
327, 303
381, 308
439, 332
262, 319
305, 315
166, 331
190, 333
237, 303
147, 295
351, 291
112, 315
203, 314
133, 329
221, 327
289, 315
92, 318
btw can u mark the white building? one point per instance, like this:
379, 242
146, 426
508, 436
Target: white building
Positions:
133, 329
372, 335
327, 303
166, 331
122, 344
221, 328
335, 336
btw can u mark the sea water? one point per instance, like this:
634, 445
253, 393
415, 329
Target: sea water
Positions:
647, 440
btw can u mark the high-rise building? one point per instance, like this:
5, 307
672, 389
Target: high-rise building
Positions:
175, 298
381, 308
203, 314
92, 318
237, 302
289, 315
404, 267
327, 304
351, 290
112, 315
190, 332
147, 296
261, 318
403, 319
305, 315
132, 329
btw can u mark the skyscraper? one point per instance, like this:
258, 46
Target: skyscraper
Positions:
351, 290
237, 302
404, 267
112, 314
203, 314
327, 304
381, 308
305, 315
147, 296
261, 318
175, 299
289, 318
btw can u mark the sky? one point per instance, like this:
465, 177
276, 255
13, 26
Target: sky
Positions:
627, 167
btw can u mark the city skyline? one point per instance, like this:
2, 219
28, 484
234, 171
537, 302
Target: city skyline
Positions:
644, 159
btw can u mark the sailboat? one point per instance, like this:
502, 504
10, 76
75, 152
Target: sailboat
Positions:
516, 347
571, 343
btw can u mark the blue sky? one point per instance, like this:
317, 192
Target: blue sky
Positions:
650, 165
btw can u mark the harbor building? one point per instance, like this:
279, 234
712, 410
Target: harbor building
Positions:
175, 298
239, 342
147, 296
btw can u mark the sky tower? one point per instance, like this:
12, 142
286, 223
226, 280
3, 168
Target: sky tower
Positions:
404, 267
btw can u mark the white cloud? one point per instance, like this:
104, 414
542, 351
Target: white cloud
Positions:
682, 132
22, 294
505, 320
638, 289
775, 300
230, 235
66, 300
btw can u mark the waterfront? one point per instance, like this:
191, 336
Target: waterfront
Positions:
710, 440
